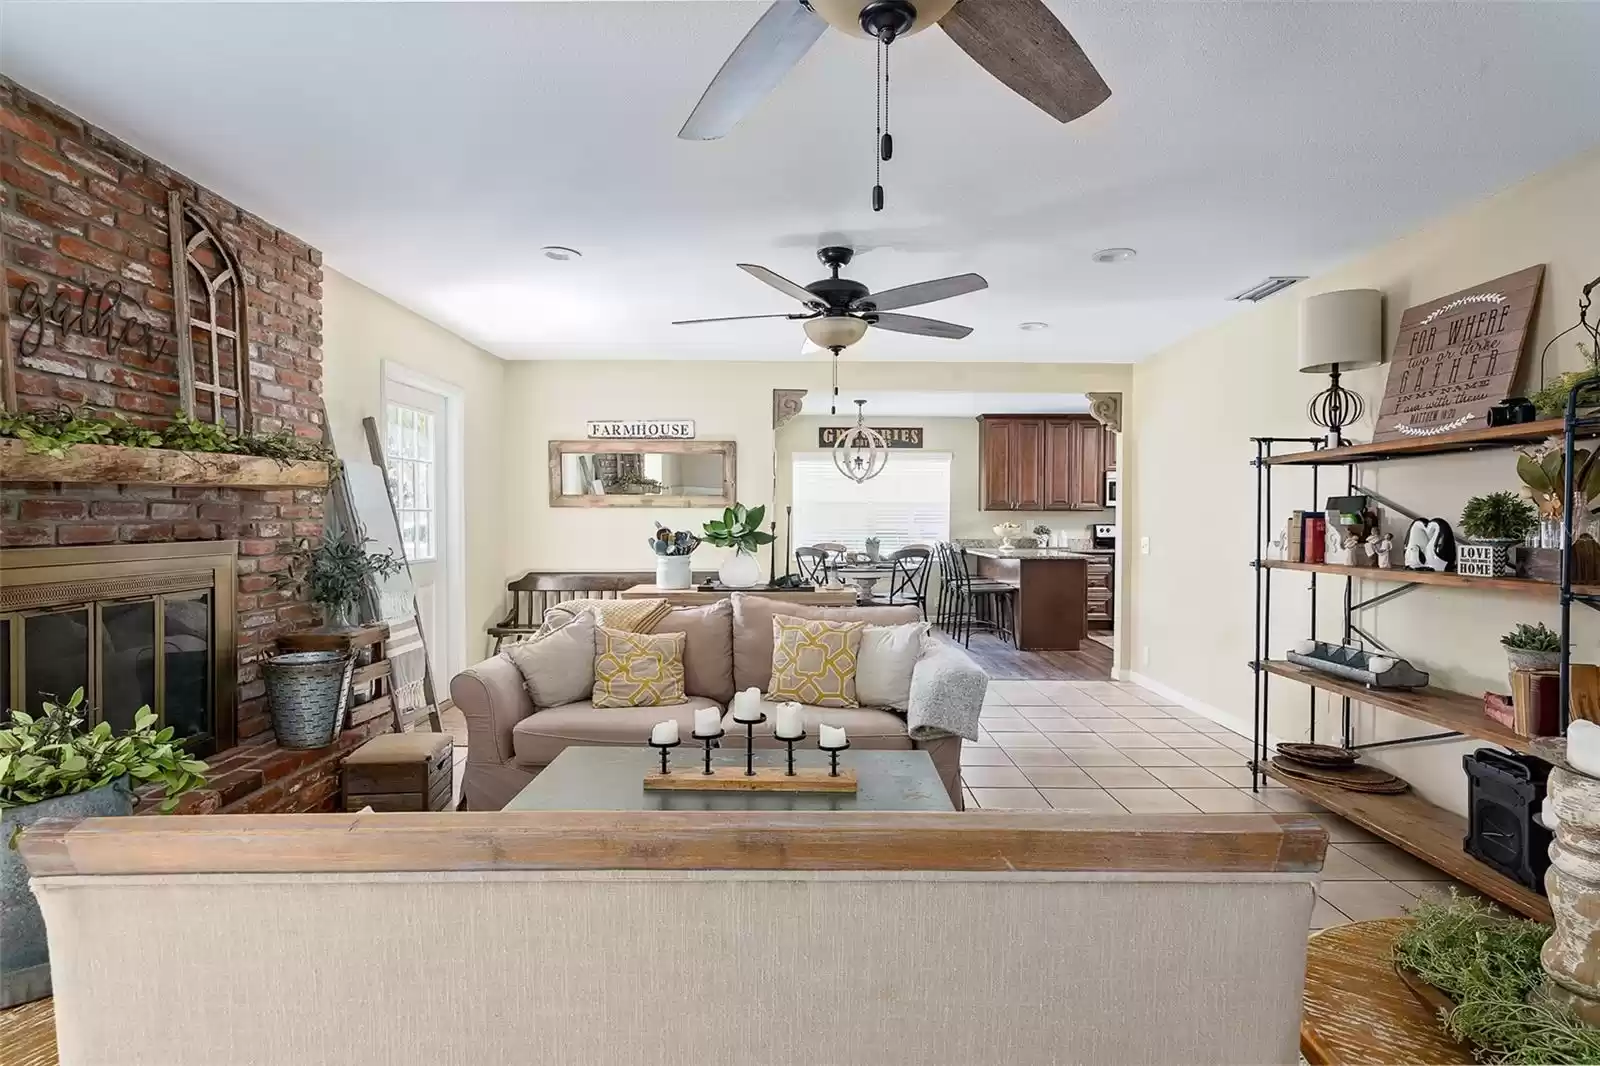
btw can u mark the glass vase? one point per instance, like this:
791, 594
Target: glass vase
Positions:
1550, 533
741, 570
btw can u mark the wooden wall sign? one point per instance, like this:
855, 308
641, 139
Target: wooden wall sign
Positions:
1457, 356
642, 429
896, 436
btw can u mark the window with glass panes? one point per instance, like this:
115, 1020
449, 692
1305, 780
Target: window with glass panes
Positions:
909, 503
412, 475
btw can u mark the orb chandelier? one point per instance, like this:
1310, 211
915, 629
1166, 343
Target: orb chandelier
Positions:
860, 453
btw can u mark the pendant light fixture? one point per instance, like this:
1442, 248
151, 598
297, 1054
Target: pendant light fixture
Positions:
860, 453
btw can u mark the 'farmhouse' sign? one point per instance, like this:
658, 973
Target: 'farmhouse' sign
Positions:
896, 436
642, 429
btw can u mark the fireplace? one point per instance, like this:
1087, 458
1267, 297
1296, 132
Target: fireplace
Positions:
133, 625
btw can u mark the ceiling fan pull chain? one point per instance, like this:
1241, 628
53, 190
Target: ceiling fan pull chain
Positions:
886, 142
877, 118
833, 404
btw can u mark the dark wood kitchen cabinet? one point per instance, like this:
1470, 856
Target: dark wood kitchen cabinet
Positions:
1043, 463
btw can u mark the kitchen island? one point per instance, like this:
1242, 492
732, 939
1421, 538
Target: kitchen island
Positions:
1052, 593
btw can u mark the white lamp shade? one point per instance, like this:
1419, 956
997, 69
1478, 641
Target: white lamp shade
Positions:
835, 331
1343, 328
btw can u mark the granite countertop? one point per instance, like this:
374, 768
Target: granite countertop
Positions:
1028, 553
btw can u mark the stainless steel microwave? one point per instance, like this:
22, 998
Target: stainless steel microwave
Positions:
1113, 487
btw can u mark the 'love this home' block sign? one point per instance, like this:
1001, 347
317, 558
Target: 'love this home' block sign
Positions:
1457, 356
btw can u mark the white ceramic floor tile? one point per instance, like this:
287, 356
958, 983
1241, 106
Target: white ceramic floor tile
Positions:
1214, 756
1084, 712
1222, 800
1061, 725
1392, 863
1015, 799
1199, 742
1120, 698
1135, 740
1107, 757
1040, 757
993, 777
1084, 801
1190, 776
1152, 801
1018, 693
1341, 831
1008, 725
996, 756
1022, 740
1144, 713
1059, 777
1284, 801
1366, 900
1236, 776
1324, 915
1043, 712
1114, 725
1123, 777
1158, 757
1340, 866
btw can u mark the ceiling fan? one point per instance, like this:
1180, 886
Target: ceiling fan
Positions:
1019, 42
839, 310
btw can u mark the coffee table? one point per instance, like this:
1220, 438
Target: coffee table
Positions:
612, 779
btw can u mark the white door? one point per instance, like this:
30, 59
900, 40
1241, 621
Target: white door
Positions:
417, 441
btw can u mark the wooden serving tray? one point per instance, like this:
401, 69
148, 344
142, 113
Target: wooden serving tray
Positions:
1354, 778
765, 779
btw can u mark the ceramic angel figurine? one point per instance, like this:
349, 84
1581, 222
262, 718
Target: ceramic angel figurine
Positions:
1380, 546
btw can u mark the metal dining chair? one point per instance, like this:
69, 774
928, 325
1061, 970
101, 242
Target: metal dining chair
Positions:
812, 564
836, 554
908, 579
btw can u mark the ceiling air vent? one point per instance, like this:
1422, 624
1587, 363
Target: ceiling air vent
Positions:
1261, 290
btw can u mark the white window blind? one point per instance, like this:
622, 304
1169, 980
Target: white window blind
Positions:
909, 503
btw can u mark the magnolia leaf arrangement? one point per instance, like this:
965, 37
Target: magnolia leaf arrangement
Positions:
1498, 516
53, 432
1543, 471
739, 528
52, 754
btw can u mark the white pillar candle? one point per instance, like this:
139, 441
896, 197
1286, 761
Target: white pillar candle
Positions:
1583, 747
707, 721
747, 705
790, 724
664, 733
829, 736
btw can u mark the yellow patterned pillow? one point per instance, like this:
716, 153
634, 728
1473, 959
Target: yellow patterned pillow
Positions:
814, 661
637, 669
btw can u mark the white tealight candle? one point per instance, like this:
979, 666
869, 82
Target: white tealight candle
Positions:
664, 733
747, 705
1305, 647
707, 721
1583, 747
830, 736
790, 725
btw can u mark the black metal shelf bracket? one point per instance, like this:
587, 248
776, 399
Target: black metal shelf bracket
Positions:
1425, 739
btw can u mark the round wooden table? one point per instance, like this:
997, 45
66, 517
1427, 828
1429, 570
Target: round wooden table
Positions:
1358, 1010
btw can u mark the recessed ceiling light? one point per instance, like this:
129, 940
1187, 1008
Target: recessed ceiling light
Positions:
559, 253
1031, 326
1114, 255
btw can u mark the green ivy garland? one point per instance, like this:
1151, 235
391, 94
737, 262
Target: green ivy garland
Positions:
53, 432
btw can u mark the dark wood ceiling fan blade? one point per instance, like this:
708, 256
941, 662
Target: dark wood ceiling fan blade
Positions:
922, 327
732, 318
923, 292
1026, 48
783, 284
770, 50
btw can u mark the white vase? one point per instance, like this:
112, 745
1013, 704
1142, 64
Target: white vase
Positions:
741, 570
674, 572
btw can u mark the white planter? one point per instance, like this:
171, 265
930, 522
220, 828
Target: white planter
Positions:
740, 571
674, 571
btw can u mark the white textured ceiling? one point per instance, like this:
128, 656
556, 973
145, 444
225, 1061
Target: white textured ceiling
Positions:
946, 404
431, 149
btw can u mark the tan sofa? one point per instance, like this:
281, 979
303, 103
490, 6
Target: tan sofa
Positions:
677, 939
727, 648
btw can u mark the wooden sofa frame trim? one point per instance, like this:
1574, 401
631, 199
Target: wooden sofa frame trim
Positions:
664, 840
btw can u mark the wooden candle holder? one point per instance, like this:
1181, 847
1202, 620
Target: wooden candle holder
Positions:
764, 779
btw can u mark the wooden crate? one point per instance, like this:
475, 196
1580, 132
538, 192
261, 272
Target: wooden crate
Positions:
400, 772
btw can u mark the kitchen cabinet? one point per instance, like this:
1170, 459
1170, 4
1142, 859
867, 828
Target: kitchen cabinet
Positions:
1043, 463
1099, 594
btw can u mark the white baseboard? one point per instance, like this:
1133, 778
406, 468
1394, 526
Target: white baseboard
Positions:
1204, 710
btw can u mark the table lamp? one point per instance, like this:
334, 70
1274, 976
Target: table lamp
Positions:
1340, 330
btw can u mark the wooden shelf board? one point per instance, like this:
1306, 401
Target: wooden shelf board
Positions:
1451, 710
1431, 833
111, 465
1447, 579
1460, 441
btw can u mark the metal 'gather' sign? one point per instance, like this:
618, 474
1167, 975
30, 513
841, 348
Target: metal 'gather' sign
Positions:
642, 429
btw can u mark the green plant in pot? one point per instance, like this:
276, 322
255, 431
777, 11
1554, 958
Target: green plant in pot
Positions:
1497, 521
53, 766
339, 573
739, 528
1535, 647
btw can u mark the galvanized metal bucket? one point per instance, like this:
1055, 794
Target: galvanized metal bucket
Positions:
307, 692
24, 955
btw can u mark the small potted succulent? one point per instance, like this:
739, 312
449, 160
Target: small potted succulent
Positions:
1493, 523
51, 766
1535, 647
739, 528
673, 549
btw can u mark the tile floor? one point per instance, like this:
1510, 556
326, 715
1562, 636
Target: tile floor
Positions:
1109, 747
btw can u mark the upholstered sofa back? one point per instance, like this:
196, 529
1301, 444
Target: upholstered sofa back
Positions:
752, 630
667, 939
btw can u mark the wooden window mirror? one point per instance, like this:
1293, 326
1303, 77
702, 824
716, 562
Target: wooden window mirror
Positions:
642, 473
211, 321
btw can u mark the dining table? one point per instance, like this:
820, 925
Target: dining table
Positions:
864, 576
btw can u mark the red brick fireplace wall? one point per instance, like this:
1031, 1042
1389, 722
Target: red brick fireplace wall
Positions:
84, 208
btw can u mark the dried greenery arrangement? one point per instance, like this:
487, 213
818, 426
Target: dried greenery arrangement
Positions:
52, 432
1488, 964
1551, 401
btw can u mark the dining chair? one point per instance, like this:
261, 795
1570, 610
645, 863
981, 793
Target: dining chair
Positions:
836, 553
908, 579
812, 564
991, 605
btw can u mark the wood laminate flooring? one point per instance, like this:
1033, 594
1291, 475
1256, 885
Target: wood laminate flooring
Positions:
1091, 662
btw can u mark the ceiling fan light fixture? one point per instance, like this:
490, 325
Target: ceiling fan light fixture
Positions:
560, 253
1114, 255
834, 331
1032, 327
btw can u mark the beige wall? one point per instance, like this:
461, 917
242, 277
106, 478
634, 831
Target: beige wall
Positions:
363, 329
1191, 491
727, 401
957, 436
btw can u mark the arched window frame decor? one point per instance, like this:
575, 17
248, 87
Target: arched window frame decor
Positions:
231, 278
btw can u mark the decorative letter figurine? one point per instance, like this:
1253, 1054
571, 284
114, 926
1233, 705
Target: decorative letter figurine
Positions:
1416, 541
1440, 553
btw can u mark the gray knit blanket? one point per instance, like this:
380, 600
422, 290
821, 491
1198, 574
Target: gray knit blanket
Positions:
947, 690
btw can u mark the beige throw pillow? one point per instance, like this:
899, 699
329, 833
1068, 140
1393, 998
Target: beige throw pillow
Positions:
557, 667
883, 665
814, 661
637, 669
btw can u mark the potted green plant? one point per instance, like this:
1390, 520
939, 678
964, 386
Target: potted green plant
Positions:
1535, 647
1491, 524
339, 572
739, 528
51, 766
